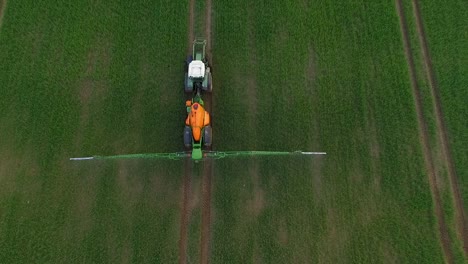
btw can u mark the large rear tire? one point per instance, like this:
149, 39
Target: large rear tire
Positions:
209, 83
187, 137
207, 137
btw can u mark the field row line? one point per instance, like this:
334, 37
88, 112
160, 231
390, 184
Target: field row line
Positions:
442, 129
185, 211
424, 136
185, 207
208, 165
3, 4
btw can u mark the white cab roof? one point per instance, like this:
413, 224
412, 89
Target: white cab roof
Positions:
196, 69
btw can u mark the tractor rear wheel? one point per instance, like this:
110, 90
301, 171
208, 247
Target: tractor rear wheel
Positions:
209, 86
210, 83
207, 137
187, 137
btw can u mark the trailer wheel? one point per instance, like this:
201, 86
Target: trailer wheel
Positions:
207, 137
187, 137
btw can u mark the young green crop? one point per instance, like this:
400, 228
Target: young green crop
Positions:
445, 29
324, 77
90, 78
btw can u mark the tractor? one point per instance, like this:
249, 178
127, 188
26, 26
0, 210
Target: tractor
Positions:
198, 131
198, 72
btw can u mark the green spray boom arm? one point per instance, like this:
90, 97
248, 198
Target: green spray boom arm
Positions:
227, 154
206, 154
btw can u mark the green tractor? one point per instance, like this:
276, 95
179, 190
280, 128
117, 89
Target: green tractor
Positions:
198, 72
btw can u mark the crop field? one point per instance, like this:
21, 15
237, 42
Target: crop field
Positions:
104, 78
325, 77
81, 79
445, 28
437, 92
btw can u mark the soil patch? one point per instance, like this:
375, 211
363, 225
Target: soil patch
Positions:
81, 218
335, 238
442, 129
13, 165
131, 187
424, 136
389, 253
257, 203
283, 235
89, 88
9, 167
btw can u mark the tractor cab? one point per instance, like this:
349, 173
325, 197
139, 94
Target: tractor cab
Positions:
198, 72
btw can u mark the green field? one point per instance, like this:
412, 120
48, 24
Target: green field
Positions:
443, 26
445, 31
106, 78
329, 77
82, 79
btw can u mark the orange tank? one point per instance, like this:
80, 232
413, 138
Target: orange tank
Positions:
197, 119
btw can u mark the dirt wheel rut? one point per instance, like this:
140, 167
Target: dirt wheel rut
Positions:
424, 137
208, 164
185, 207
191, 25
208, 30
442, 129
185, 211
2, 10
206, 212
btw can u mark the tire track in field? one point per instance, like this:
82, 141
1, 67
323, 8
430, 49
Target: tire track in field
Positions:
208, 11
424, 136
442, 129
191, 23
207, 97
3, 4
188, 164
208, 164
206, 212
185, 211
